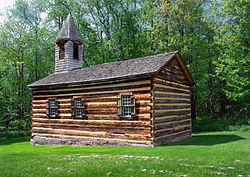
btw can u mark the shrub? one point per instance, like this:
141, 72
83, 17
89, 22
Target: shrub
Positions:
12, 133
204, 124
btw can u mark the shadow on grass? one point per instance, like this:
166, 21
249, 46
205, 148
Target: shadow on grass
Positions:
208, 140
15, 140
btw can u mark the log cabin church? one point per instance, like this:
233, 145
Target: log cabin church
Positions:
138, 102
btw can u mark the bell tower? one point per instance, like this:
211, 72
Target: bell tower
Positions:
68, 53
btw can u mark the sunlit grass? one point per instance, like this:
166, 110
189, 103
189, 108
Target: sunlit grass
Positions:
206, 154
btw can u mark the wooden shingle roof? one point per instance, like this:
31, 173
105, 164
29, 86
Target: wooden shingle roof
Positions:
120, 70
69, 32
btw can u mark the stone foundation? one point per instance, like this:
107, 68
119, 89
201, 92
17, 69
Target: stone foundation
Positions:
40, 140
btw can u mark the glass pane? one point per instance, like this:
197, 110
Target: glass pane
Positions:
126, 105
52, 110
52, 103
78, 107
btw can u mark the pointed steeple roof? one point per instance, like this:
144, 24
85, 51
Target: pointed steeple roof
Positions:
69, 32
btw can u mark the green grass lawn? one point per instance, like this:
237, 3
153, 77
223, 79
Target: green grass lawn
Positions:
206, 154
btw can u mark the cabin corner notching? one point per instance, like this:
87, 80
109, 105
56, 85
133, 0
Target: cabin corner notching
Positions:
148, 104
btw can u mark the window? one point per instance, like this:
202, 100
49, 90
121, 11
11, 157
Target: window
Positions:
77, 107
61, 51
76, 52
52, 107
126, 105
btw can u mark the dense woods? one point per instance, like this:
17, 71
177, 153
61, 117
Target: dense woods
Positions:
211, 35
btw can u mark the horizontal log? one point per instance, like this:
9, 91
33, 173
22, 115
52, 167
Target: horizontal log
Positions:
136, 118
114, 99
38, 101
175, 128
109, 117
90, 134
173, 137
171, 83
169, 124
177, 79
87, 90
167, 132
45, 107
100, 123
93, 129
39, 111
169, 113
175, 66
161, 120
162, 101
165, 73
101, 100
97, 87
179, 76
172, 79
102, 117
114, 111
163, 95
142, 114
39, 114
102, 112
139, 102
164, 89
100, 96
92, 93
114, 107
174, 72
166, 107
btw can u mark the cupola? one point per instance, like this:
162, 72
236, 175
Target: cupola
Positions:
68, 53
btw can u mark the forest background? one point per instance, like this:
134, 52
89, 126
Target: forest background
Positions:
211, 35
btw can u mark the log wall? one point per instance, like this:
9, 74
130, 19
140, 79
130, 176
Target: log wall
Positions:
101, 125
171, 102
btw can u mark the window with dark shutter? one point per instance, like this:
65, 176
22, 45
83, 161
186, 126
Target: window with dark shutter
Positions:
61, 51
78, 107
52, 108
126, 105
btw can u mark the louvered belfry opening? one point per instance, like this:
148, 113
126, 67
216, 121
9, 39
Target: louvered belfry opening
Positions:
76, 51
61, 51
68, 54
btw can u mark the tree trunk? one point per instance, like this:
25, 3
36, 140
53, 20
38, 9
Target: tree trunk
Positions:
222, 105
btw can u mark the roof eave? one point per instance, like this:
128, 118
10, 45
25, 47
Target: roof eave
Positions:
92, 82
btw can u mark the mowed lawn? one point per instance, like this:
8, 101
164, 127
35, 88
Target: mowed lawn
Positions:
206, 154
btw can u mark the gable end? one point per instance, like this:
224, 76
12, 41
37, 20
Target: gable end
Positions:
175, 70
